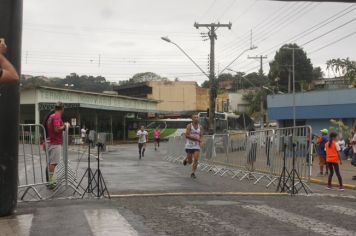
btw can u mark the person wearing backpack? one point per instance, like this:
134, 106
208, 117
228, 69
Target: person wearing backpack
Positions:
333, 159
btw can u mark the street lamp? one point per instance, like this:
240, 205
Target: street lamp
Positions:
186, 54
248, 49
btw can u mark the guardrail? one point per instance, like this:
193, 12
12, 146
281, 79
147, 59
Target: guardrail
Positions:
256, 156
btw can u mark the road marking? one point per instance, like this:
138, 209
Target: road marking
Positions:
18, 225
338, 209
197, 194
210, 224
300, 221
108, 222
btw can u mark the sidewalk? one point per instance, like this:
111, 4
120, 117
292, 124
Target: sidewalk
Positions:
346, 169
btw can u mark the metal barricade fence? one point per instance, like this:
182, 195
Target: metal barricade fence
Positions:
206, 157
294, 144
237, 152
66, 177
33, 166
33, 161
256, 155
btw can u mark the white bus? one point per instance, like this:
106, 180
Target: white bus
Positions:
226, 122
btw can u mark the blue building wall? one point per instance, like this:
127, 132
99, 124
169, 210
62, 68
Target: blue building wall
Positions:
315, 108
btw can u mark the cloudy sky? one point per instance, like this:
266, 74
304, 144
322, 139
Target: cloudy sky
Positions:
117, 38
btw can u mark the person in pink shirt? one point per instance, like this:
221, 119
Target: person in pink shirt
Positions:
157, 136
55, 127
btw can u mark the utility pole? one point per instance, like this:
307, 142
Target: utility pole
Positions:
11, 31
213, 87
293, 48
261, 77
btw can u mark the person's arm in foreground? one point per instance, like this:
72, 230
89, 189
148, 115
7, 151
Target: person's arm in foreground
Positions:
8, 73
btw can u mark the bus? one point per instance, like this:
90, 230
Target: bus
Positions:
226, 122
168, 127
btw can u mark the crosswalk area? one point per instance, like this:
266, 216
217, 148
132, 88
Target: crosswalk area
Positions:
187, 216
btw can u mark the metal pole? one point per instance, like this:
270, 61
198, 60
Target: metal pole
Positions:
11, 30
212, 95
294, 112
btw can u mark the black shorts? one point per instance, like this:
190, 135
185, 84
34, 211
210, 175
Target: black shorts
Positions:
140, 145
192, 151
157, 140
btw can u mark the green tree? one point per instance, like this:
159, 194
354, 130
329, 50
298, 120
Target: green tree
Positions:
343, 67
143, 77
281, 66
317, 73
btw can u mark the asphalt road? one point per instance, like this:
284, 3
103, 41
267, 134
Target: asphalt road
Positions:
133, 212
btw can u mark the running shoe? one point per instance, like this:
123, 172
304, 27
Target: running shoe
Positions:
328, 188
193, 176
341, 189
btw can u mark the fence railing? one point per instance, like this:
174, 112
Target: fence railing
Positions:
256, 156
33, 166
33, 160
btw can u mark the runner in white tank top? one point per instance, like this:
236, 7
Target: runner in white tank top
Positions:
194, 138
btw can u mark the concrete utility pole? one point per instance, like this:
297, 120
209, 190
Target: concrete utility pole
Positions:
213, 90
261, 76
11, 31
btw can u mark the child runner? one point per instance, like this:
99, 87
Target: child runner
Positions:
332, 159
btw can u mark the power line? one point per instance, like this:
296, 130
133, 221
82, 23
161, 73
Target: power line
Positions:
330, 31
334, 42
261, 24
245, 11
314, 28
228, 8
208, 9
261, 37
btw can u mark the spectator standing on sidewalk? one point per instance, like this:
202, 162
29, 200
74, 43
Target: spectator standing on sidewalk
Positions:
342, 145
333, 159
353, 143
321, 141
55, 127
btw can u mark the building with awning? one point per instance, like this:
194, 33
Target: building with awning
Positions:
101, 112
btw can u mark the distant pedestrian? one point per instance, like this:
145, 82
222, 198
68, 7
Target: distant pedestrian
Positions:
194, 139
252, 149
157, 136
321, 141
333, 159
353, 143
142, 135
8, 73
83, 134
55, 127
342, 145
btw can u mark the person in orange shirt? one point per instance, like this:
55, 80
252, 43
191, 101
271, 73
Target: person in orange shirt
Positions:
333, 159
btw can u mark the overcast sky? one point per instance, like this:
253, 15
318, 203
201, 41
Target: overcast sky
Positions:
116, 38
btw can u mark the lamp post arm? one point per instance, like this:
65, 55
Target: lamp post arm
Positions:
191, 59
236, 59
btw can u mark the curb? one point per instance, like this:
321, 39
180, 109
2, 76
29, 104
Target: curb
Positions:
197, 194
322, 182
